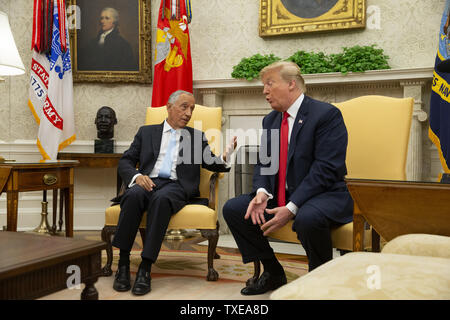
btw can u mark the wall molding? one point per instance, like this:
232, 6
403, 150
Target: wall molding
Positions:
333, 78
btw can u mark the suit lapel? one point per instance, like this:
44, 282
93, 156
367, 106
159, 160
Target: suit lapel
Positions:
300, 120
156, 138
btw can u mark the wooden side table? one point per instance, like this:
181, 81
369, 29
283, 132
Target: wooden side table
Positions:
18, 177
394, 208
95, 160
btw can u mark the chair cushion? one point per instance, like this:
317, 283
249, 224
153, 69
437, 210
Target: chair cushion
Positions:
420, 245
342, 237
352, 277
192, 216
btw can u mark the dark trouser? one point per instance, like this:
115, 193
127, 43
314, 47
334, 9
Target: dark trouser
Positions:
311, 225
167, 198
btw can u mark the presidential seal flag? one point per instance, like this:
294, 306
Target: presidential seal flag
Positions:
51, 85
173, 63
439, 131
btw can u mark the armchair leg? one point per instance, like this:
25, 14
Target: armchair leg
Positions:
107, 233
257, 271
216, 255
213, 238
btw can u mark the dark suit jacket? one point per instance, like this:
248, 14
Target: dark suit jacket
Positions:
194, 152
116, 54
316, 159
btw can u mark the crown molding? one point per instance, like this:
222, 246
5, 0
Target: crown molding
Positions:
409, 75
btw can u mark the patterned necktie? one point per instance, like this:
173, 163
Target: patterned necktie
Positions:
284, 134
166, 166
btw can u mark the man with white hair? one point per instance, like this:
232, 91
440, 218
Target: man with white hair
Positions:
167, 179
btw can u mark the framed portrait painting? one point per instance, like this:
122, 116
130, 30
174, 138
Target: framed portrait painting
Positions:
278, 17
110, 40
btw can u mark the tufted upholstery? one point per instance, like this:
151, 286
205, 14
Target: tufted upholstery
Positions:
413, 266
191, 216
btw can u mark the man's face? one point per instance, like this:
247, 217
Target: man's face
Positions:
105, 120
277, 90
106, 20
180, 112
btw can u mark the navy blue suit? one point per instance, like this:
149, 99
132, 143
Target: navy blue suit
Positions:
315, 183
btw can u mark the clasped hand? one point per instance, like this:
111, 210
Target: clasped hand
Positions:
145, 182
256, 210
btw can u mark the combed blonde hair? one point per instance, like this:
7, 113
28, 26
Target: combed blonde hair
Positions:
288, 71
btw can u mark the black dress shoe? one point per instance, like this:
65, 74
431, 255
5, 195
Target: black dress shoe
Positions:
142, 285
265, 282
122, 279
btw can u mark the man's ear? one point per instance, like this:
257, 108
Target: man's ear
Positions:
292, 84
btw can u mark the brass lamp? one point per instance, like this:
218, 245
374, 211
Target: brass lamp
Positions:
10, 62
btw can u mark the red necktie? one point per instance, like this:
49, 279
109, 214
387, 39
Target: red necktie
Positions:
284, 134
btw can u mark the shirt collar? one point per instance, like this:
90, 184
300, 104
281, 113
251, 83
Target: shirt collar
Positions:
295, 107
167, 126
107, 32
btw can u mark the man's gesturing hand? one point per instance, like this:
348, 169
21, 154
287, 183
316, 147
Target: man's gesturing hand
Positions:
230, 148
256, 208
145, 182
282, 215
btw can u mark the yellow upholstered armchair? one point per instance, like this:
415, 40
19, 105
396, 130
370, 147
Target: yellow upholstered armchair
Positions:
378, 135
193, 216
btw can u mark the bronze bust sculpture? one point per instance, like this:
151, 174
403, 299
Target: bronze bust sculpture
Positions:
105, 121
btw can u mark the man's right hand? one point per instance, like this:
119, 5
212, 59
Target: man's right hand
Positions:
256, 208
145, 182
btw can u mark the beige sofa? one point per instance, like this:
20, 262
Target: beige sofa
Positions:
409, 267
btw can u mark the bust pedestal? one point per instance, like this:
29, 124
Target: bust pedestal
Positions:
103, 146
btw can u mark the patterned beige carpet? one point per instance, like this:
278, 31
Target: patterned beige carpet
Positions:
181, 275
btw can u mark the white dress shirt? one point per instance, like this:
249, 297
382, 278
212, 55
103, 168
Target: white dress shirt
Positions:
101, 41
162, 152
292, 111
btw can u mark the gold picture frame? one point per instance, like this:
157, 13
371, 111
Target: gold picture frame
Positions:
124, 55
279, 17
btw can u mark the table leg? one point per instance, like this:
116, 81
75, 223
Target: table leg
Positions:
89, 292
55, 208
358, 230
12, 199
68, 199
375, 241
61, 209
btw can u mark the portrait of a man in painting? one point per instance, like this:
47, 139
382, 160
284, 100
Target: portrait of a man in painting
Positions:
107, 48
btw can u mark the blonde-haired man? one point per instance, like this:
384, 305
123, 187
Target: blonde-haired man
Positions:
309, 151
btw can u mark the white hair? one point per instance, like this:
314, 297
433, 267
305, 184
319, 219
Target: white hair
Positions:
114, 12
175, 95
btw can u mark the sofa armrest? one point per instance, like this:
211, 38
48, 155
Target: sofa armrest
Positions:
419, 245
